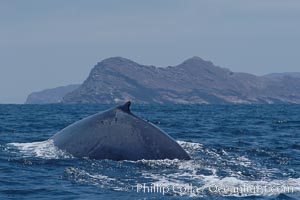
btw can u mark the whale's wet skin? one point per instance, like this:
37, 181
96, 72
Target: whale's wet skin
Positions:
236, 151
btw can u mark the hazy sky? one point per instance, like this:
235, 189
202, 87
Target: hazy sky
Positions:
44, 44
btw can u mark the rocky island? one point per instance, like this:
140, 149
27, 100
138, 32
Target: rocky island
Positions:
54, 95
194, 81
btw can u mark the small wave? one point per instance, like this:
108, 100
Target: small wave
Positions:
190, 147
45, 149
96, 179
166, 163
286, 122
281, 122
190, 184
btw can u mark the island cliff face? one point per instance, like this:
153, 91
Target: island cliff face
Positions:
195, 81
54, 95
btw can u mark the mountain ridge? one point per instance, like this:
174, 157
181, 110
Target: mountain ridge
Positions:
194, 81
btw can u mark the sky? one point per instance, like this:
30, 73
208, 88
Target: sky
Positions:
45, 44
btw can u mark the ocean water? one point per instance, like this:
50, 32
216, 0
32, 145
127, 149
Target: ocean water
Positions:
238, 152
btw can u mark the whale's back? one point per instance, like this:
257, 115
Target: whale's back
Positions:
117, 134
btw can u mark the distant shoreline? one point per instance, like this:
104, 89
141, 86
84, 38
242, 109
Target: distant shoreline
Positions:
195, 81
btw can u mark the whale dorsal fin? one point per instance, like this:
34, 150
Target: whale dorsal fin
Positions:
125, 107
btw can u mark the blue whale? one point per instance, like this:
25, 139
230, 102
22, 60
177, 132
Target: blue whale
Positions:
117, 134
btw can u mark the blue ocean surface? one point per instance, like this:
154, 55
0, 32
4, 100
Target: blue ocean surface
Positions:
238, 152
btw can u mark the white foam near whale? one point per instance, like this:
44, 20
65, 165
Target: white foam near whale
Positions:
186, 172
45, 150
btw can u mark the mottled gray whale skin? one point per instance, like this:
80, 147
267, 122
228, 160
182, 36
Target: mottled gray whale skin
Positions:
117, 134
